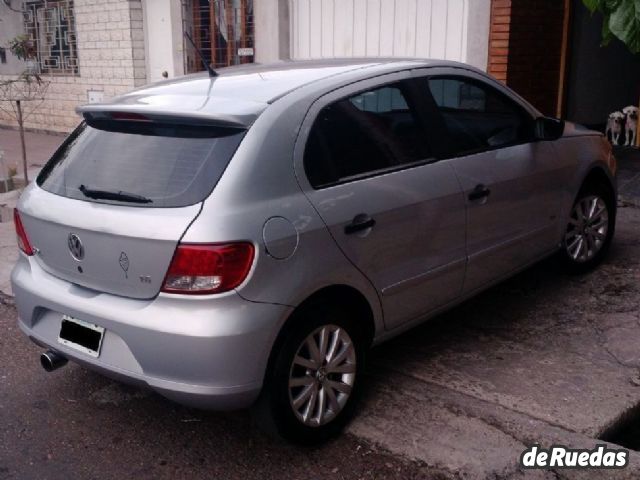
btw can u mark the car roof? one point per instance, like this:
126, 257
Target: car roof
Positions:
239, 94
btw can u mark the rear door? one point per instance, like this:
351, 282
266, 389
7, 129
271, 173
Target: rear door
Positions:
111, 205
364, 160
513, 185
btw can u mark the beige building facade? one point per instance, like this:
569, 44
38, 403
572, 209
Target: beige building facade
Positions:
87, 49
90, 50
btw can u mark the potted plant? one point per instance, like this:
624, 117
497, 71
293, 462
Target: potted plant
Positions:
23, 48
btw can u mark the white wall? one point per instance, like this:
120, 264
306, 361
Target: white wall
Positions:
163, 38
447, 29
271, 30
10, 26
478, 29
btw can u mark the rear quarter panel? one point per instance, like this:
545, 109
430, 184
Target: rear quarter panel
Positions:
260, 184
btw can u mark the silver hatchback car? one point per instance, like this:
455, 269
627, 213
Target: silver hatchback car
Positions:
243, 239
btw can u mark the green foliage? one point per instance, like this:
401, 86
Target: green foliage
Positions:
621, 20
22, 47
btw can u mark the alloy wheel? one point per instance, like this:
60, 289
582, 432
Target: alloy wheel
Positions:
587, 230
322, 375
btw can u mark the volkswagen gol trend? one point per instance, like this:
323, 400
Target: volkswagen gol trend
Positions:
242, 240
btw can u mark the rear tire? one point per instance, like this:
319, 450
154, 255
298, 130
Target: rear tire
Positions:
312, 389
590, 229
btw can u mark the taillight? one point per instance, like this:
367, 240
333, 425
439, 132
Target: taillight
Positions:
204, 269
23, 240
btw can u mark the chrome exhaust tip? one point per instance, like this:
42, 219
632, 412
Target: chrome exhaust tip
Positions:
51, 360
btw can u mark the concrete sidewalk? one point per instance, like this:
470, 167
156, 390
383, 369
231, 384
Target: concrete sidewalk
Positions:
628, 174
40, 147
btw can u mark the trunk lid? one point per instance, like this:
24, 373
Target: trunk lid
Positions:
125, 251
112, 204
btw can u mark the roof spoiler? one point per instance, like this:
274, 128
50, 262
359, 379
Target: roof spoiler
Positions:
103, 112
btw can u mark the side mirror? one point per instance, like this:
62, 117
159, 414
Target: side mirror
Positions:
547, 128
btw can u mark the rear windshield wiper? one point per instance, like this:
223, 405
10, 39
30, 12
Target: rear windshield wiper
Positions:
119, 196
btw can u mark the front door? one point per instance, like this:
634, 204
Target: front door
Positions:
512, 184
397, 215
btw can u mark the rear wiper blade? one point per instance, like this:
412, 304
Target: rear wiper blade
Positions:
119, 195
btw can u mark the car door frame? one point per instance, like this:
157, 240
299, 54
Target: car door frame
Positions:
346, 91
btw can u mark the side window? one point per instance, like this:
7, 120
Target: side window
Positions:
371, 131
477, 117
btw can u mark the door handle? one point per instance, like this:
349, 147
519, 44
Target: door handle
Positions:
479, 192
359, 223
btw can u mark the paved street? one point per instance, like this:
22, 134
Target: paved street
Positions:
544, 357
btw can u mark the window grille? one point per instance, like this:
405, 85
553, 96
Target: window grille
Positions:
50, 25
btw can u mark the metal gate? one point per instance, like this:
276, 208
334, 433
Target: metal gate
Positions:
221, 29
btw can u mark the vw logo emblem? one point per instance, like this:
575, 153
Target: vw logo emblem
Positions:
75, 246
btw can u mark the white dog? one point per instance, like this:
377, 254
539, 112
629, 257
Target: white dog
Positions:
631, 126
615, 125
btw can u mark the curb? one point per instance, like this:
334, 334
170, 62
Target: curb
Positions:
6, 299
628, 202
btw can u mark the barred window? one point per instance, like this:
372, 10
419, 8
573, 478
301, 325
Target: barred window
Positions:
51, 27
221, 29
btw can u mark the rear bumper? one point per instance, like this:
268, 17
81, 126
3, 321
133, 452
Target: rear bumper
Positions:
206, 352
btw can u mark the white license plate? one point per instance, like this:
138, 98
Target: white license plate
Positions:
80, 335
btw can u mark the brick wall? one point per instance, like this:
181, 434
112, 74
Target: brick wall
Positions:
110, 42
525, 48
499, 39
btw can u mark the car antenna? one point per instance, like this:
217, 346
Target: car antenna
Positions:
208, 68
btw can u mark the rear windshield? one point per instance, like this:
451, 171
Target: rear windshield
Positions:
142, 164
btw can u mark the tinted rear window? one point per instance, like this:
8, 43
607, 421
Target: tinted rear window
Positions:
167, 165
